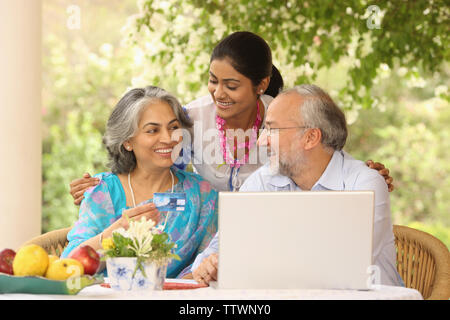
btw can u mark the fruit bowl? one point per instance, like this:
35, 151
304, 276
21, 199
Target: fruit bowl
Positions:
41, 285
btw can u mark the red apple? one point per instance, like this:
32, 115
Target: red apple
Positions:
88, 257
6, 261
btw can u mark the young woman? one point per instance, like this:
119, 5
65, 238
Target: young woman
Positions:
242, 83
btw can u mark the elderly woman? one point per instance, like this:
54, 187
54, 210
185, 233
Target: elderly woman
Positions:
140, 141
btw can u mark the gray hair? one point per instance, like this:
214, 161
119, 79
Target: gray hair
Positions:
318, 110
123, 124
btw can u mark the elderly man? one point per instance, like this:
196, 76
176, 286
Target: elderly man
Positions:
305, 133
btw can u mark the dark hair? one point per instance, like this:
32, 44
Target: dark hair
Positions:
251, 56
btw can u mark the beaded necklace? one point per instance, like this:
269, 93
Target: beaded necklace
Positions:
228, 156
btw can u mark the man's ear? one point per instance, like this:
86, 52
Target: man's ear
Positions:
313, 137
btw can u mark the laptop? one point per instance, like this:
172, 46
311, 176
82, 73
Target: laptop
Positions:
295, 240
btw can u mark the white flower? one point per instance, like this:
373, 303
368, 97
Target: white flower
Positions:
140, 228
141, 234
122, 232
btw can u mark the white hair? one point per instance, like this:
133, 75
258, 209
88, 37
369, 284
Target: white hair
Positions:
123, 123
318, 110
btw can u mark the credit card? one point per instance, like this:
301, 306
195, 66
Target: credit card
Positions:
168, 201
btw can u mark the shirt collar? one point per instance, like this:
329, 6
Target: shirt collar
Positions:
277, 180
331, 178
280, 181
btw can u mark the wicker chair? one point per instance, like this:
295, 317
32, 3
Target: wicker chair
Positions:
53, 242
423, 262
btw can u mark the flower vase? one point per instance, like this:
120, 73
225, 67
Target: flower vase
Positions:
124, 276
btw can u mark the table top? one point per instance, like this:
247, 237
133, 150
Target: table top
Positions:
98, 292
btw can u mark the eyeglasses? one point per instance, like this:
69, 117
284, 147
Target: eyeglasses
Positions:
271, 131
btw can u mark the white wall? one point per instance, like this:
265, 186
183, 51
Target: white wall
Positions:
20, 121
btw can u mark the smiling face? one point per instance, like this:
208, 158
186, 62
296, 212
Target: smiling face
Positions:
159, 131
286, 146
233, 94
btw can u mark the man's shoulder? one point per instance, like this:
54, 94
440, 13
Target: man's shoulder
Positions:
357, 174
258, 180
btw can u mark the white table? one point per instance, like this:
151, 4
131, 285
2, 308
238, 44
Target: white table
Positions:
97, 292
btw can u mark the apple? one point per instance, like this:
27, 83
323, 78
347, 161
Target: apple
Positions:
6, 261
88, 257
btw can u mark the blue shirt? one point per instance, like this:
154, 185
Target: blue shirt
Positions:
342, 173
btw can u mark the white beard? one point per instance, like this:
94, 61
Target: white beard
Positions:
290, 164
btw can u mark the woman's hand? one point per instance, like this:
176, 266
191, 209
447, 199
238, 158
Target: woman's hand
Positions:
207, 270
79, 186
149, 211
383, 171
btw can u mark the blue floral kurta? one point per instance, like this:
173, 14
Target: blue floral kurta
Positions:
191, 230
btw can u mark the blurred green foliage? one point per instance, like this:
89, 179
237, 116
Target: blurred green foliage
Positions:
84, 76
305, 36
412, 139
73, 151
396, 101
